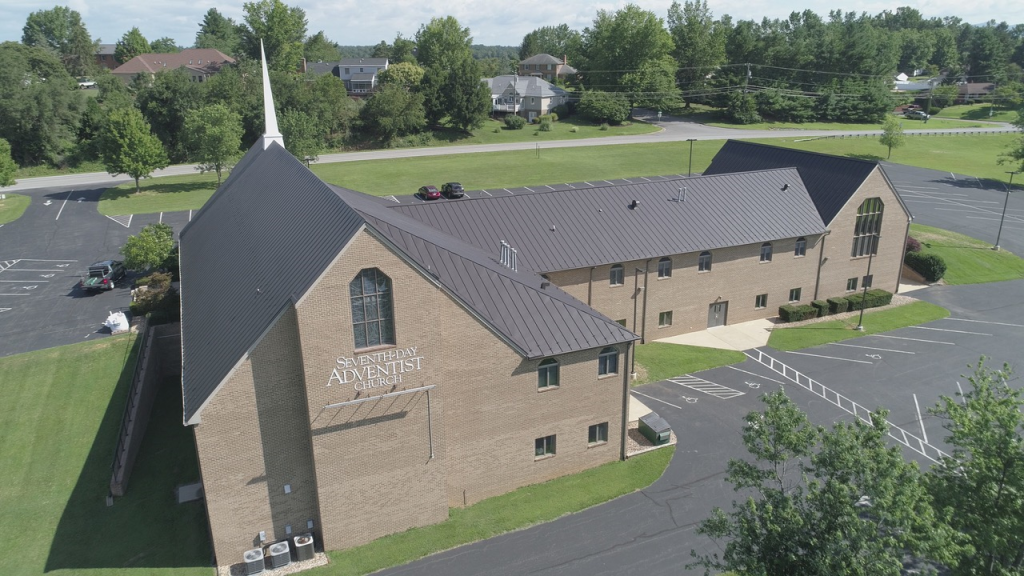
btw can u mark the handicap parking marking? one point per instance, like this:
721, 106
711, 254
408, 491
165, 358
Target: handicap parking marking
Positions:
710, 388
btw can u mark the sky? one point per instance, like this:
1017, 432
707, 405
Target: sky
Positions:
492, 22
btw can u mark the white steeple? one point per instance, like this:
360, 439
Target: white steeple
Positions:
271, 133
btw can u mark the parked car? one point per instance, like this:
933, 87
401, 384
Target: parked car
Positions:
429, 192
102, 276
917, 115
86, 83
452, 190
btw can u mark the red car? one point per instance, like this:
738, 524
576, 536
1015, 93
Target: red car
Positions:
429, 192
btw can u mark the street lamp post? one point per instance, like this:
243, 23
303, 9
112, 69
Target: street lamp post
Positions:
867, 280
1005, 202
689, 171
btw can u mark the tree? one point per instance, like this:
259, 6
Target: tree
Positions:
653, 85
213, 135
559, 41
892, 134
699, 43
7, 166
403, 50
281, 28
303, 137
442, 42
62, 31
1015, 152
393, 111
164, 45
128, 147
404, 74
164, 103
839, 501
609, 107
149, 248
218, 32
318, 48
622, 42
982, 481
131, 45
469, 99
451, 84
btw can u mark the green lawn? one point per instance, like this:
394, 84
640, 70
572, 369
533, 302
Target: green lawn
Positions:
977, 112
874, 323
164, 194
84, 167
513, 511
932, 124
494, 132
661, 360
57, 438
968, 260
13, 206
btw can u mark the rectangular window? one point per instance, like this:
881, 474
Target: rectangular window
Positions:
704, 262
794, 294
664, 268
597, 434
761, 301
544, 446
664, 319
616, 275
608, 362
851, 285
766, 252
346, 71
801, 247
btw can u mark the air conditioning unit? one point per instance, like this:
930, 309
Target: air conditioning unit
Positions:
280, 554
303, 547
253, 561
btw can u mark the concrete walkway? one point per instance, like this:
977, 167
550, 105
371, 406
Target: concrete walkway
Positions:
742, 336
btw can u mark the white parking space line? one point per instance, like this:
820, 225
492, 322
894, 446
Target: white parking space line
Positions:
870, 348
985, 322
924, 434
63, 205
756, 375
35, 270
947, 330
831, 357
24, 281
42, 260
709, 388
657, 399
1009, 217
913, 339
15, 294
955, 210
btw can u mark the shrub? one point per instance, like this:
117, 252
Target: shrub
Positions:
574, 129
913, 245
873, 299
931, 266
821, 306
607, 107
838, 305
497, 130
935, 110
553, 116
797, 312
545, 125
560, 111
155, 281
604, 126
513, 122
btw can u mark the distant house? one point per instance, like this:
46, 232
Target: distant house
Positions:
200, 63
360, 75
527, 96
105, 56
547, 67
974, 91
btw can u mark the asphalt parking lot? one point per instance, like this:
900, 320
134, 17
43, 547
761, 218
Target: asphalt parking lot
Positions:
42, 257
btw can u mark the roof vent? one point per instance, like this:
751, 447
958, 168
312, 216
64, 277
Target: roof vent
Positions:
785, 186
680, 195
508, 256
544, 285
634, 204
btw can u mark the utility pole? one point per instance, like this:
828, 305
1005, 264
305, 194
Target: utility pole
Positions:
1005, 202
689, 171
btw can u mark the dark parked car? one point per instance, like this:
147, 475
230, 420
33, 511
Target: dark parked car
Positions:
452, 190
102, 276
429, 192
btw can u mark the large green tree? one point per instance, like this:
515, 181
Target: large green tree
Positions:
213, 135
62, 31
218, 32
982, 482
630, 40
131, 45
7, 166
559, 41
282, 29
442, 42
839, 501
403, 73
699, 44
303, 136
393, 111
164, 45
318, 48
149, 248
164, 102
128, 147
451, 84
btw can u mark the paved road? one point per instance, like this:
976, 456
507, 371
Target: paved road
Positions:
673, 130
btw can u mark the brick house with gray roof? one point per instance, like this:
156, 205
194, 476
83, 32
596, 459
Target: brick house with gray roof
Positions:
547, 67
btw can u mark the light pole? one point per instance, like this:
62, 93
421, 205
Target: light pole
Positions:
1005, 202
867, 280
689, 171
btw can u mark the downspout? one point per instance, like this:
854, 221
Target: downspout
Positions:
643, 317
590, 285
821, 262
903, 257
625, 401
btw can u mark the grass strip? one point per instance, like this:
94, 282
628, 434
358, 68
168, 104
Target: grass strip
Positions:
164, 194
977, 112
57, 439
13, 206
800, 337
660, 360
968, 260
513, 511
908, 124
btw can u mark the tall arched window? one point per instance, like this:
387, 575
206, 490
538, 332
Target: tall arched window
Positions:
868, 227
704, 262
373, 320
801, 247
766, 252
665, 267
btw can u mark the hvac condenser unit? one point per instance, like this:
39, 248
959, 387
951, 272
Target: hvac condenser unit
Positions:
280, 554
253, 561
655, 429
303, 547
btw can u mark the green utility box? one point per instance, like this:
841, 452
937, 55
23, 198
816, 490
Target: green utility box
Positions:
655, 429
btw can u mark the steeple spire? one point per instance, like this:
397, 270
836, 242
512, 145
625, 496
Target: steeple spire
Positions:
271, 133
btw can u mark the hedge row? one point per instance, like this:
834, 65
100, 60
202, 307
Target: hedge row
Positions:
797, 312
931, 266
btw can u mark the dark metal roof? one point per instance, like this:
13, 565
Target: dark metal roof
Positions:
585, 224
537, 319
260, 242
542, 59
831, 180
